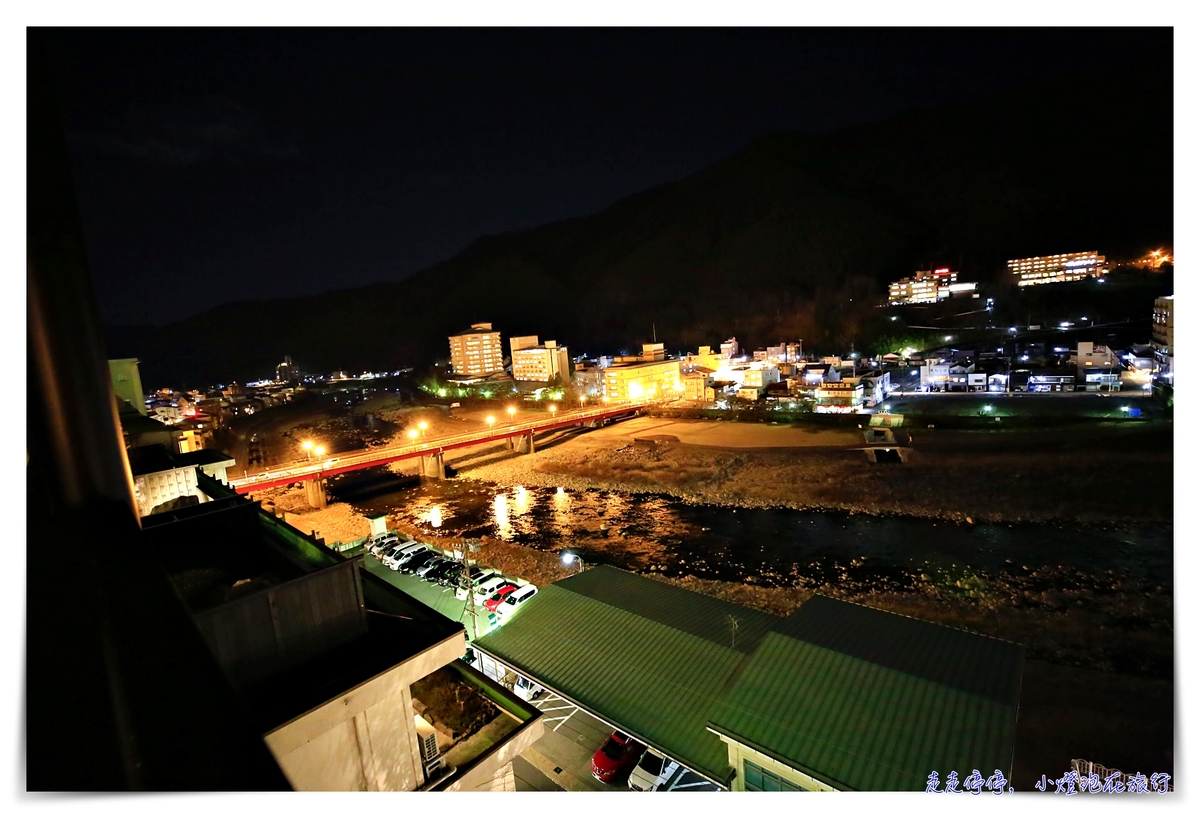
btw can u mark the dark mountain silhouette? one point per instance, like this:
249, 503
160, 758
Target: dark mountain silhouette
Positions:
794, 237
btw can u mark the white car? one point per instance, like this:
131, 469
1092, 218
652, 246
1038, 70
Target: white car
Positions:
393, 557
488, 587
380, 545
652, 772
479, 576
515, 599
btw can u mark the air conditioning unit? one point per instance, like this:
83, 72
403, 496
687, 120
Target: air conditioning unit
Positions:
431, 756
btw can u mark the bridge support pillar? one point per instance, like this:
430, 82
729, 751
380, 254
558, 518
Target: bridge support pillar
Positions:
522, 444
314, 493
433, 466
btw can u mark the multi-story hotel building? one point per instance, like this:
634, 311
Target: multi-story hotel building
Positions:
1162, 337
640, 381
476, 352
928, 287
532, 361
1057, 269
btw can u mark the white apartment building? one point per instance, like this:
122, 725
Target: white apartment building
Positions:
476, 352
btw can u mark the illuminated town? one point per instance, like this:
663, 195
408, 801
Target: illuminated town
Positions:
792, 467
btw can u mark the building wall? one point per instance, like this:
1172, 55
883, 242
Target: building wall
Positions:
154, 489
366, 738
127, 383
740, 753
643, 381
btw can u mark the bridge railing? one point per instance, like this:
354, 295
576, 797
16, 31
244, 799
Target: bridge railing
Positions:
303, 469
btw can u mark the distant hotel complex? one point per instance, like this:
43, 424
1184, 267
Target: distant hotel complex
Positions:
928, 287
1057, 269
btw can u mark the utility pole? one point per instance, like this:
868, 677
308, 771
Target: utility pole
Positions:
467, 547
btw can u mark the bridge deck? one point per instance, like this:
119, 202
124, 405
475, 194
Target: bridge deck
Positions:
364, 459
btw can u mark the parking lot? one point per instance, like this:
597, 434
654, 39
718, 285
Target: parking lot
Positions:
562, 757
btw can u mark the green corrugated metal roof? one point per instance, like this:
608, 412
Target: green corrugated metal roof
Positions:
860, 698
648, 656
869, 700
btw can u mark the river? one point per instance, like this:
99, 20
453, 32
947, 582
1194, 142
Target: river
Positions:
777, 547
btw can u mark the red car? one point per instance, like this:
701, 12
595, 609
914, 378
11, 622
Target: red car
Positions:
616, 758
493, 601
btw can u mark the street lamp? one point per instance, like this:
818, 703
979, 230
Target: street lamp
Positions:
307, 446
422, 426
569, 558
490, 421
412, 434
512, 411
553, 409
319, 451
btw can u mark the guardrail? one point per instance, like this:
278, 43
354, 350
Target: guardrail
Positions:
330, 466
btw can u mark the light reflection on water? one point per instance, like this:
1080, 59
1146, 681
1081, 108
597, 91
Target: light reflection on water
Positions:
776, 546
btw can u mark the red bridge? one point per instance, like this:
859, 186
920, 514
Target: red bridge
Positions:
431, 451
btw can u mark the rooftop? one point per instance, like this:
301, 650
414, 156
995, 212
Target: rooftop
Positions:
868, 700
857, 697
652, 656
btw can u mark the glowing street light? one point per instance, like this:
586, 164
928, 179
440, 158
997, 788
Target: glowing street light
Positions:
319, 451
308, 447
553, 410
412, 434
490, 421
512, 411
570, 558
422, 426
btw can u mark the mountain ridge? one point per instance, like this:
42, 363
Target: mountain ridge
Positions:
773, 241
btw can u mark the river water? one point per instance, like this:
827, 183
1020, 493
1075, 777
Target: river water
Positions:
776, 547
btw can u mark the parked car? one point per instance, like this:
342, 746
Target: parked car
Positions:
419, 560
439, 573
452, 576
652, 772
514, 600
615, 758
489, 586
477, 577
399, 552
380, 545
438, 562
526, 689
410, 555
493, 601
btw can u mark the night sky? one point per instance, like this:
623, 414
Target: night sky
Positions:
215, 166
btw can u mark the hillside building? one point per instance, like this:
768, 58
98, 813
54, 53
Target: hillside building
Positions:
1058, 268
929, 287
